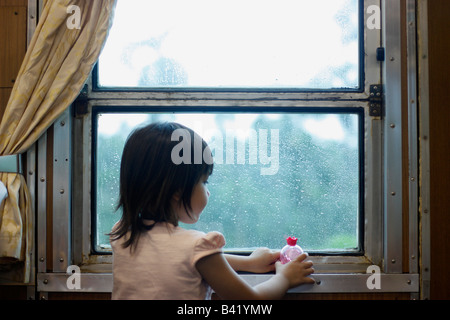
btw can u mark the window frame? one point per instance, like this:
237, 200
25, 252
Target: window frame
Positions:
370, 73
250, 98
383, 205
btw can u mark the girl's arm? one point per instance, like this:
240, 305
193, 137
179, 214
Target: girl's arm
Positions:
261, 260
228, 285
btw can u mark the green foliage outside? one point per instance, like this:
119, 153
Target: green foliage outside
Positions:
313, 196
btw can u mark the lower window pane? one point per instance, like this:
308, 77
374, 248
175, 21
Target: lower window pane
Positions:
277, 174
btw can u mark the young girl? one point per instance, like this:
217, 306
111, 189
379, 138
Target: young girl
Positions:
156, 259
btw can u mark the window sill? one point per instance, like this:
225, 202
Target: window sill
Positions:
322, 264
325, 283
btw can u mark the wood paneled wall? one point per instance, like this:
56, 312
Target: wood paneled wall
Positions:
13, 43
439, 92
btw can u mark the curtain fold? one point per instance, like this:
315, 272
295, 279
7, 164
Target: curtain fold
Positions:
58, 62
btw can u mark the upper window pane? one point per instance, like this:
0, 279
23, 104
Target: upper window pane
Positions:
294, 44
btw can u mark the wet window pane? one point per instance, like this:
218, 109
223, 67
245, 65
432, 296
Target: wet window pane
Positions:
275, 175
233, 44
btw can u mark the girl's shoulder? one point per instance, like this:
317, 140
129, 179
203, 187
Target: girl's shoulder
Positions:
211, 240
207, 244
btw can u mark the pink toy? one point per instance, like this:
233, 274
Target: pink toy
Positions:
290, 251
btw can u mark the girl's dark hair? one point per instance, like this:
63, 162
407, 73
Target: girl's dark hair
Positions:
149, 178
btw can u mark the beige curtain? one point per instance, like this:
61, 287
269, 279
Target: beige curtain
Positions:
58, 61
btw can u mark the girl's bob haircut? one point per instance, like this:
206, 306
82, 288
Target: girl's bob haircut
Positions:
149, 178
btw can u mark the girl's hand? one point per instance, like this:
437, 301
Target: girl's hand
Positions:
263, 260
297, 271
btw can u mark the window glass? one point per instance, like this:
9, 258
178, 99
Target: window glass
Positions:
276, 174
299, 44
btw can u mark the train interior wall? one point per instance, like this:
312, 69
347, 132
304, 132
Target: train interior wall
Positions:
13, 42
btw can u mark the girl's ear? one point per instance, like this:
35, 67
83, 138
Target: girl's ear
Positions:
177, 196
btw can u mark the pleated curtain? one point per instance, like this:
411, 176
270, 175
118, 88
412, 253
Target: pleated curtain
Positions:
65, 46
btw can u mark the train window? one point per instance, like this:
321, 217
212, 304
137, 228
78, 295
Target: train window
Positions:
233, 44
279, 88
277, 173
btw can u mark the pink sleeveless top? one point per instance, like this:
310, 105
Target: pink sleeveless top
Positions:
163, 264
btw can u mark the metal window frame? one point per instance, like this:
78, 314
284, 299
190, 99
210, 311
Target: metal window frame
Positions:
272, 98
392, 125
383, 171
